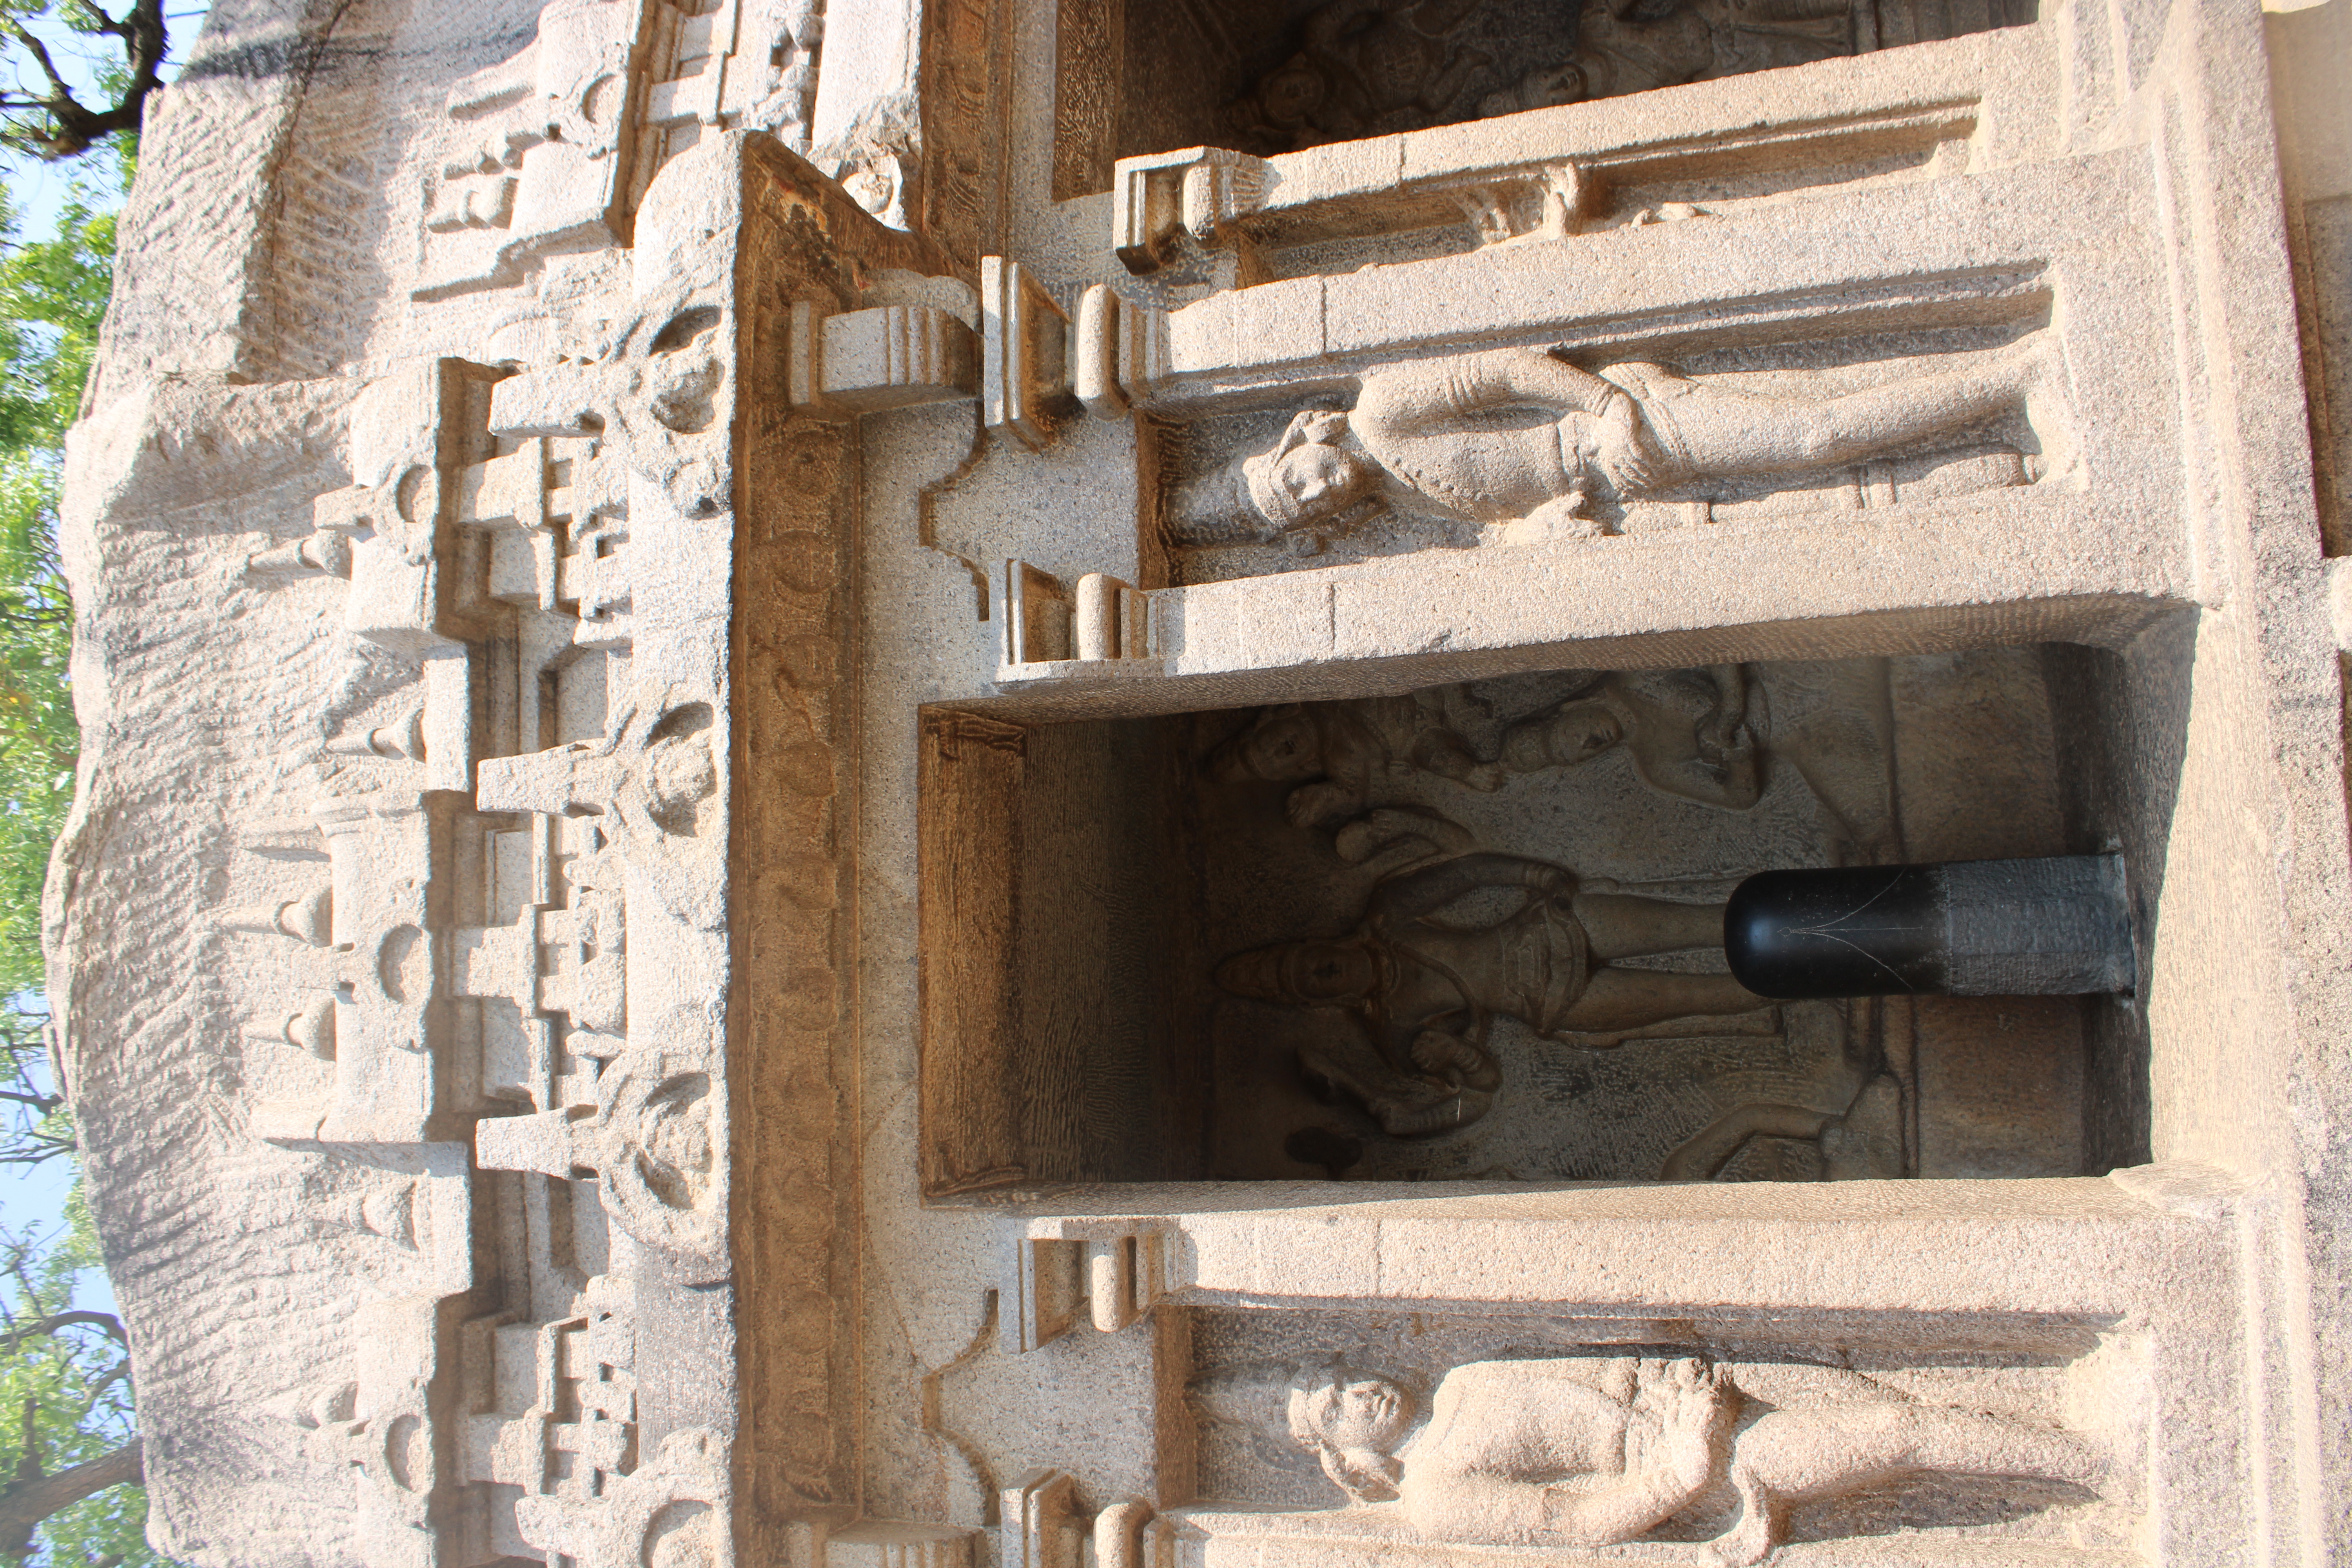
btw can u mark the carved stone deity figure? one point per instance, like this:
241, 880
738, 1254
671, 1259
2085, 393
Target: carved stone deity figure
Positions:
1428, 987
1686, 730
1535, 1452
1519, 436
1364, 67
1614, 58
1335, 751
1632, 45
1702, 734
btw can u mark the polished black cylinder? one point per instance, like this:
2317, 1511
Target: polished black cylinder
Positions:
2058, 926
1860, 930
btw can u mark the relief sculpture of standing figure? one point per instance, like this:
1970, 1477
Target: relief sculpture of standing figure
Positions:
1427, 984
1539, 1453
1521, 437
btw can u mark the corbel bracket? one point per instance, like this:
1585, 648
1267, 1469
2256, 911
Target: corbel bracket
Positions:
890, 356
1024, 378
1198, 189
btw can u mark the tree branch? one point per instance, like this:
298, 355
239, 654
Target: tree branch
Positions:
40, 53
120, 1371
25, 1504
51, 1150
42, 1328
72, 126
105, 24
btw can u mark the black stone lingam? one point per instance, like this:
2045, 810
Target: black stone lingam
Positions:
2052, 927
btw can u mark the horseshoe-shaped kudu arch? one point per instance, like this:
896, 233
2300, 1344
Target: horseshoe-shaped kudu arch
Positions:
1185, 783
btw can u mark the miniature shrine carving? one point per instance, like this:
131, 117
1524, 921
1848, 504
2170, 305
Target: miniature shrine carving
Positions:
550, 152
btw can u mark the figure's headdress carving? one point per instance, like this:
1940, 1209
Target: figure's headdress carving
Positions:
1245, 501
1366, 1475
1272, 1399
1311, 428
1229, 762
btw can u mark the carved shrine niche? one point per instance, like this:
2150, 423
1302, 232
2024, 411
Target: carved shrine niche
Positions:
1473, 932
1294, 589
1141, 77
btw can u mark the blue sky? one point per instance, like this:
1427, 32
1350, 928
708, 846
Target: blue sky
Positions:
33, 1197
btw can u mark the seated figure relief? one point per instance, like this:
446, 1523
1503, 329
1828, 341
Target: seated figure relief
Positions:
1521, 438
1617, 53
1369, 67
1363, 67
1717, 735
1688, 732
1865, 1139
1521, 940
1539, 1454
1632, 45
1336, 753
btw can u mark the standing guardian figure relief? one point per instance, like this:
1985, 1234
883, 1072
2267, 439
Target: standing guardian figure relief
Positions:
1543, 1453
1523, 438
1428, 983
